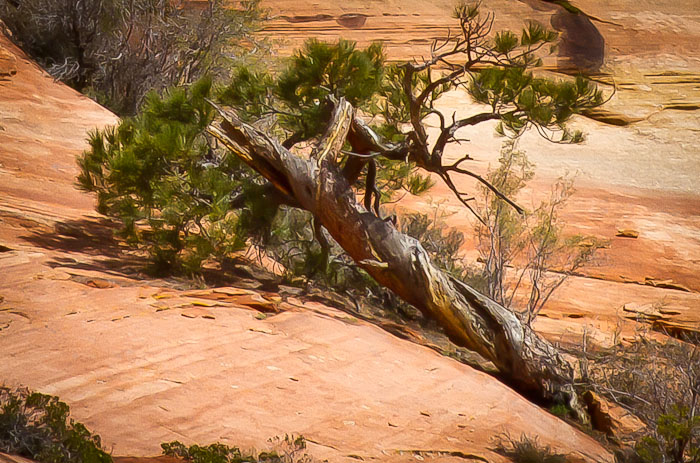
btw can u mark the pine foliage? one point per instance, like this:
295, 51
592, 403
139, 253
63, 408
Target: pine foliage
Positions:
297, 96
160, 176
38, 426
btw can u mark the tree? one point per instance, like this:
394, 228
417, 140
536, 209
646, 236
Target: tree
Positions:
117, 50
526, 253
497, 74
160, 176
182, 199
316, 152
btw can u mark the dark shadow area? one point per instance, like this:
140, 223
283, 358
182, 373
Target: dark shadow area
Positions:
92, 237
352, 20
581, 42
242, 273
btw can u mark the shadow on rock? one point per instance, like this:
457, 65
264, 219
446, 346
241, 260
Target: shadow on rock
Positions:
581, 42
92, 237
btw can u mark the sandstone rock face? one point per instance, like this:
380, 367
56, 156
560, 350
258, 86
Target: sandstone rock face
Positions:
661, 33
5, 458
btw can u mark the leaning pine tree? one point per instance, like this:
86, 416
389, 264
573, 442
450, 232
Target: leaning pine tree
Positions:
304, 133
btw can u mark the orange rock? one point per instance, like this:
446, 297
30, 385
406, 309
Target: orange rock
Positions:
5, 458
100, 283
612, 419
627, 233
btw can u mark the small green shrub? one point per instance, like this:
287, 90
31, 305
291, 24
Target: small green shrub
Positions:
162, 178
560, 410
677, 438
38, 426
527, 450
289, 449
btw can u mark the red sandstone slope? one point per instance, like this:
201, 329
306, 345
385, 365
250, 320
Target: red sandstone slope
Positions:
37, 157
140, 364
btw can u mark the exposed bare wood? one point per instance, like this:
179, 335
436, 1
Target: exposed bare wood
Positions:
398, 261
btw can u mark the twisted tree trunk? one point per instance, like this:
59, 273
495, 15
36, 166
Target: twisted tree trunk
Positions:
397, 261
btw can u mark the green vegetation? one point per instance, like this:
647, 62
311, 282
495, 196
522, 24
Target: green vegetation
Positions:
526, 256
659, 382
288, 450
158, 174
676, 438
38, 426
296, 94
527, 450
180, 197
183, 199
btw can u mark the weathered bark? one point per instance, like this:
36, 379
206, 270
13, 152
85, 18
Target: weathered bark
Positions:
397, 261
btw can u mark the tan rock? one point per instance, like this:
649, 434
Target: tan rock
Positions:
627, 233
667, 284
194, 312
645, 311
612, 419
4, 457
610, 117
230, 291
100, 283
8, 66
256, 302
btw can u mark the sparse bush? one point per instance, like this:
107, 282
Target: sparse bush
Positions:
527, 450
526, 255
118, 50
38, 426
660, 383
289, 449
443, 244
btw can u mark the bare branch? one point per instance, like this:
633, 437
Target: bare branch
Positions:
332, 141
448, 181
